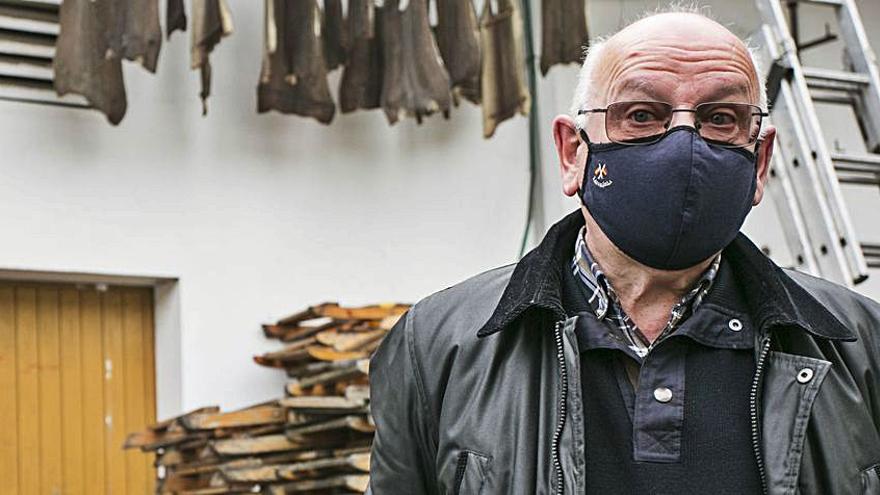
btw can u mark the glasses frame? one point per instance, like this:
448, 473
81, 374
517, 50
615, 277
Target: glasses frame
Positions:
757, 112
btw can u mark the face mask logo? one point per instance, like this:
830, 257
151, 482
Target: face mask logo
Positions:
599, 176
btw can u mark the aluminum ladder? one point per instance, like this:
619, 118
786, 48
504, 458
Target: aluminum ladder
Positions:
807, 175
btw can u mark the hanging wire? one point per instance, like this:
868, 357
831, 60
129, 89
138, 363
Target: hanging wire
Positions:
534, 152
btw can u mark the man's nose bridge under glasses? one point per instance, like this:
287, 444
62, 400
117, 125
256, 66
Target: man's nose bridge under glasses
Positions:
683, 116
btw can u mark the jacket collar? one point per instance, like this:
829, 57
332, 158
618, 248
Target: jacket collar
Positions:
773, 298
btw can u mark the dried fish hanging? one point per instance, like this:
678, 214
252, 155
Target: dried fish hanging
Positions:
81, 63
504, 91
334, 34
293, 78
458, 38
315, 438
415, 82
361, 86
211, 22
564, 34
136, 35
175, 17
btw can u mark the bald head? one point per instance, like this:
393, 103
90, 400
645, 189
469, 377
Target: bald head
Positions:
683, 58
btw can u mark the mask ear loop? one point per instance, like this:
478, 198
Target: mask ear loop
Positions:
583, 134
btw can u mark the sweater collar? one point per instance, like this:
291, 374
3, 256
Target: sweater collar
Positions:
773, 298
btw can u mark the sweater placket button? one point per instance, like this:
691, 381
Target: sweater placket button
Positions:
662, 394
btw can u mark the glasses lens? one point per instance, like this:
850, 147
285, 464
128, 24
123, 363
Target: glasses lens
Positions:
729, 124
637, 121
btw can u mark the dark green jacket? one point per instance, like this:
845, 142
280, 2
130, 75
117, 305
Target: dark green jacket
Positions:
477, 389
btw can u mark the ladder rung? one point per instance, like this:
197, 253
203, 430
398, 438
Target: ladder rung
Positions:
857, 169
835, 97
859, 180
871, 160
831, 3
837, 80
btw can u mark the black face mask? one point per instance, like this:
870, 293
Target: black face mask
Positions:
670, 204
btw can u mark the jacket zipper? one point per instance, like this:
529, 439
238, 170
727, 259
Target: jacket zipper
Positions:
753, 411
460, 468
560, 422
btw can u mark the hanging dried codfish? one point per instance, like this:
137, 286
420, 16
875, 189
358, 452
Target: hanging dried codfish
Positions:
563, 32
458, 37
334, 34
294, 77
138, 35
211, 22
415, 81
81, 63
175, 17
504, 90
361, 85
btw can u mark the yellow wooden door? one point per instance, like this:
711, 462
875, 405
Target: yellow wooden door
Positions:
76, 374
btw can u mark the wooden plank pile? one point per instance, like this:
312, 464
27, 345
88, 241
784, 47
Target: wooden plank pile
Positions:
315, 440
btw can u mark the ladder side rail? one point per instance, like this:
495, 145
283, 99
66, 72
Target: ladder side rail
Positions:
818, 153
791, 216
822, 244
864, 61
822, 234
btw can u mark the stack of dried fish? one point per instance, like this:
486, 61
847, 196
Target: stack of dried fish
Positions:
314, 440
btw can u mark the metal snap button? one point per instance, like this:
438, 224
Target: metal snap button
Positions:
662, 394
735, 325
804, 375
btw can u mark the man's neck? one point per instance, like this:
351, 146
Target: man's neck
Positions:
646, 294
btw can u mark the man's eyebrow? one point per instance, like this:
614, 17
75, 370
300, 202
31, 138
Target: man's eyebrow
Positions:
726, 90
639, 85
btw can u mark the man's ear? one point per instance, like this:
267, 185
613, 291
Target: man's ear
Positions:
567, 143
765, 155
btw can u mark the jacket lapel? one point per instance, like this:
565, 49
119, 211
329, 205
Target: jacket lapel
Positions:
536, 282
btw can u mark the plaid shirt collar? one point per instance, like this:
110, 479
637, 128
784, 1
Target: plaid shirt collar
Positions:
606, 305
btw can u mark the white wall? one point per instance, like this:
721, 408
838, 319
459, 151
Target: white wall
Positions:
259, 216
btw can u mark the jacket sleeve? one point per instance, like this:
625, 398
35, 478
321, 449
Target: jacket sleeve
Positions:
401, 461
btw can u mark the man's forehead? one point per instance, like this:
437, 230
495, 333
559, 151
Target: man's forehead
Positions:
690, 45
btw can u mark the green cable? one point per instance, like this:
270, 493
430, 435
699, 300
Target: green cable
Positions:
534, 156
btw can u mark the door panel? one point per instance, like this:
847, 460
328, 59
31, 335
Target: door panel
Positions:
77, 373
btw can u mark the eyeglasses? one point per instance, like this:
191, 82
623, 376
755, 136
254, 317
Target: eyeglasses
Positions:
726, 124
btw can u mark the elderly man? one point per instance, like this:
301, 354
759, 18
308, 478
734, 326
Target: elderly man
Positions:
644, 346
